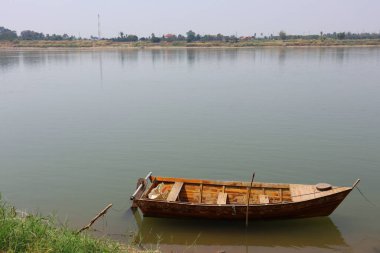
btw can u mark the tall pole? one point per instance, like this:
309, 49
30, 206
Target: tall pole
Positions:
99, 35
249, 195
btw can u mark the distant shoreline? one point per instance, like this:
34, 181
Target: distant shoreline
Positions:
108, 44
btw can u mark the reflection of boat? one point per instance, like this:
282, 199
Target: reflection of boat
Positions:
180, 233
211, 199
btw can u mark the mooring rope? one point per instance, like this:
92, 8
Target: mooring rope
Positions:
369, 201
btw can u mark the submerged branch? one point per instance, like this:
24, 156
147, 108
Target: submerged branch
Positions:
103, 212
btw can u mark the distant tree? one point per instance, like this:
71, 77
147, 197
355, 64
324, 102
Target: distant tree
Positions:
6, 34
181, 37
190, 36
209, 37
53, 37
219, 37
282, 35
126, 38
341, 36
131, 38
322, 37
154, 39
31, 35
233, 38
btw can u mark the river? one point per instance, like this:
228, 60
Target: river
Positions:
79, 127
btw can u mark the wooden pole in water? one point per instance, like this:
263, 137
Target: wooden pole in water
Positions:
249, 195
103, 212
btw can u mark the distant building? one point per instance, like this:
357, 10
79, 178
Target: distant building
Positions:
169, 36
245, 38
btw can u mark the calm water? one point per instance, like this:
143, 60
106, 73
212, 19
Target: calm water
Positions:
77, 128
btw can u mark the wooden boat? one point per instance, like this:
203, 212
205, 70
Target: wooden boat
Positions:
211, 199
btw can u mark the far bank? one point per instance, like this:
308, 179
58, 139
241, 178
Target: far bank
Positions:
101, 44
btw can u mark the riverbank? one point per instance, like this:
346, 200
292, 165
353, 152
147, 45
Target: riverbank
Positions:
20, 232
183, 44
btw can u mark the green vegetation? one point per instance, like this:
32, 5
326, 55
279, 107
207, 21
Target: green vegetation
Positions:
28, 38
190, 35
6, 34
32, 233
195, 44
282, 35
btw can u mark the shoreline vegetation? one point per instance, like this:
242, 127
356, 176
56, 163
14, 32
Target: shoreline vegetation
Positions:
31, 39
106, 43
21, 232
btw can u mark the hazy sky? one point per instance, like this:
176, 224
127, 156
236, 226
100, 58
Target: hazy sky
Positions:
142, 17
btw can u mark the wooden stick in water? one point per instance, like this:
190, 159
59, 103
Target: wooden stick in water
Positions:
249, 195
103, 212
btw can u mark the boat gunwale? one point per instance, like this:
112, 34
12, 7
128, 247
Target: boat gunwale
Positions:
243, 205
220, 182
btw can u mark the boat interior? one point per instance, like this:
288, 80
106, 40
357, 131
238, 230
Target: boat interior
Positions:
216, 192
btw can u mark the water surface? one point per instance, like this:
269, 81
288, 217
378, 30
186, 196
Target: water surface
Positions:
77, 128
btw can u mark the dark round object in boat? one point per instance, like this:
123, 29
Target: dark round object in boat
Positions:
142, 181
323, 186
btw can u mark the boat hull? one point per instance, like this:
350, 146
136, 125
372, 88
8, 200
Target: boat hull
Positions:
322, 206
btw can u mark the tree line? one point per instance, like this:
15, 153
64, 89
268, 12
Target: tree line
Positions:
193, 37
190, 36
7, 34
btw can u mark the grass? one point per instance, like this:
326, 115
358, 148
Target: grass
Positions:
34, 233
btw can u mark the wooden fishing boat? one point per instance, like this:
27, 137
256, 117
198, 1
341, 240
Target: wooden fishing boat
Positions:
211, 199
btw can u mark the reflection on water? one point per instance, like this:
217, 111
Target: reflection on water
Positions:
33, 59
10, 59
125, 56
282, 56
302, 115
340, 55
209, 236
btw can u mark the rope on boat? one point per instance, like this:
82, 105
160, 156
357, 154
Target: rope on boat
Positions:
369, 201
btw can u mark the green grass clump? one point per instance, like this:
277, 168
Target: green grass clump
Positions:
34, 233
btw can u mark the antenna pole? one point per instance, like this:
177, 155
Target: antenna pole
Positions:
99, 35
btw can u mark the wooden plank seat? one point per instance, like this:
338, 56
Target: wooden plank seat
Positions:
222, 198
174, 192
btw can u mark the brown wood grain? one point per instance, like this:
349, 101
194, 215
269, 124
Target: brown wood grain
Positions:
227, 200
